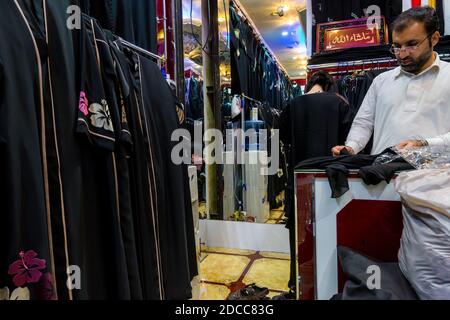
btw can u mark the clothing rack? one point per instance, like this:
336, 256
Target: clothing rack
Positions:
134, 47
191, 72
345, 67
142, 51
382, 63
250, 99
355, 63
259, 37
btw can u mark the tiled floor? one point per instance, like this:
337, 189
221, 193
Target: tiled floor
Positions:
224, 271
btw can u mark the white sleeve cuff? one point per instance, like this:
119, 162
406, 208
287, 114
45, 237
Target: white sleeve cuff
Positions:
355, 146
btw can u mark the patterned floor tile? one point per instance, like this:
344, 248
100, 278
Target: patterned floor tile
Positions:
269, 273
223, 269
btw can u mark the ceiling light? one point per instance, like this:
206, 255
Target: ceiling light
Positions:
281, 11
291, 22
284, 33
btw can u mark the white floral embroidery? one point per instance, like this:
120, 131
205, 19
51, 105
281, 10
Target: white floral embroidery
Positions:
100, 116
20, 294
4, 294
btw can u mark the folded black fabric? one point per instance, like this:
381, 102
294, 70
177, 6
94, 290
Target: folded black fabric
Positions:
350, 162
337, 176
373, 175
372, 169
337, 169
359, 272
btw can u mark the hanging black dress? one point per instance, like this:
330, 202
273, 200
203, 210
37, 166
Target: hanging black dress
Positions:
24, 214
173, 198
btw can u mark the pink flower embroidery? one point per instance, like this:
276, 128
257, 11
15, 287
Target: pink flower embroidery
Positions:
27, 269
84, 104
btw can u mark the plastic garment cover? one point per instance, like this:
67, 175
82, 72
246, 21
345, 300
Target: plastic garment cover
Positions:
432, 157
424, 255
388, 157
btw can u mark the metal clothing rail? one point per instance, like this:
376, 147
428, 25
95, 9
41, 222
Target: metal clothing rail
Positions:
445, 56
250, 99
142, 51
363, 62
351, 63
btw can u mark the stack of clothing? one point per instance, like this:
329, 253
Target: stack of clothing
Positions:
373, 169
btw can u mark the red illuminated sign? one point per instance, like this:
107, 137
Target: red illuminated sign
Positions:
350, 34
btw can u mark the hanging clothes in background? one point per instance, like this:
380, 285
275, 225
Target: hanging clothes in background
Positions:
296, 91
254, 71
89, 132
133, 20
194, 98
439, 6
276, 183
354, 87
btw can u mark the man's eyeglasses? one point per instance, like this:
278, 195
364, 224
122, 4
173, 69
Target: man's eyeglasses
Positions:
409, 49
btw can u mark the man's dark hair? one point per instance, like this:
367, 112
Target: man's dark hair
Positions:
426, 15
323, 79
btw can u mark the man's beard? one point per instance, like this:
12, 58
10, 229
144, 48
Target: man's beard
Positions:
414, 65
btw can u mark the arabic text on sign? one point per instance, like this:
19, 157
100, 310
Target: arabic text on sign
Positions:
357, 37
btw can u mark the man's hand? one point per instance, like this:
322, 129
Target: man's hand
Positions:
338, 149
411, 144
